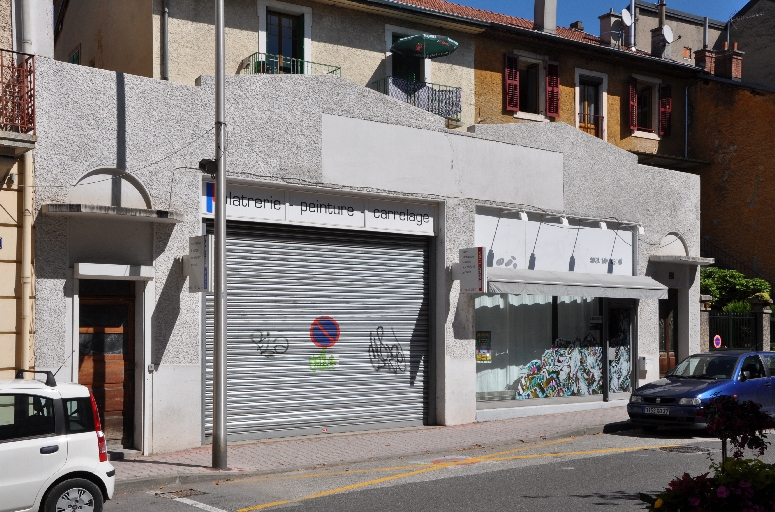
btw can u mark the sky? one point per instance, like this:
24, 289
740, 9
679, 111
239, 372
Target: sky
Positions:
587, 11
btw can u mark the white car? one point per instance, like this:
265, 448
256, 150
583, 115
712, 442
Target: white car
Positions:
53, 455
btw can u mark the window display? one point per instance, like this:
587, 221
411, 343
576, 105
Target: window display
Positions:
543, 346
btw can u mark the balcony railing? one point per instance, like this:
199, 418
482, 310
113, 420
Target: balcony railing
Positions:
17, 92
442, 100
591, 124
265, 63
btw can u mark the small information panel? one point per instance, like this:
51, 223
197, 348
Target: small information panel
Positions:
473, 270
484, 347
200, 263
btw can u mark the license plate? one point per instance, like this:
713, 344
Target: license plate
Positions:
656, 410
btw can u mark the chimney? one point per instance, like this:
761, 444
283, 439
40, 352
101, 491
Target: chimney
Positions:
545, 15
706, 59
729, 63
659, 46
611, 28
662, 9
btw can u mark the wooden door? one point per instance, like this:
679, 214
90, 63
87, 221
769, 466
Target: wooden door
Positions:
668, 332
106, 362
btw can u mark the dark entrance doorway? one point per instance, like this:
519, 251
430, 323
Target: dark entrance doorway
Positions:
619, 333
106, 353
668, 332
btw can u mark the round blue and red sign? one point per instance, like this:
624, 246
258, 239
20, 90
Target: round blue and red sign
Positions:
324, 332
717, 341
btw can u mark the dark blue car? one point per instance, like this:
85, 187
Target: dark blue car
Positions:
679, 399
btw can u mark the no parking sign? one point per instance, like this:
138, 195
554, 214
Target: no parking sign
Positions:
717, 341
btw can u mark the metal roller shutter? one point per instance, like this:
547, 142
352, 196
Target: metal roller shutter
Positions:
280, 280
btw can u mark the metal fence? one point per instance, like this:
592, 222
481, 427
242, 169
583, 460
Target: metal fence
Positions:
265, 63
737, 330
772, 333
17, 92
442, 100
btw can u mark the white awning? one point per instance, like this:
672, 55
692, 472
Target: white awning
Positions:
541, 282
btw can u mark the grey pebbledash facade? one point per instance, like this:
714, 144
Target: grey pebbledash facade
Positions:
122, 151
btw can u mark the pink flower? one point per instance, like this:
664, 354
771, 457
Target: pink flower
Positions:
695, 502
722, 492
744, 484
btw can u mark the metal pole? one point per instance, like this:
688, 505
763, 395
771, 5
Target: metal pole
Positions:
632, 27
219, 352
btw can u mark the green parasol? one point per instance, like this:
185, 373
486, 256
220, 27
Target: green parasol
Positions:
424, 46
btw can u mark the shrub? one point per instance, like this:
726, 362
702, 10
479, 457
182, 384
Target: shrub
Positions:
737, 306
742, 424
725, 286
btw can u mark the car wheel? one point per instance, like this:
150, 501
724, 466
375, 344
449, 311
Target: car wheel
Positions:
649, 429
75, 495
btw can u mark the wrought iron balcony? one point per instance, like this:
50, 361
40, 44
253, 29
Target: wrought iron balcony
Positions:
265, 63
17, 92
442, 100
591, 124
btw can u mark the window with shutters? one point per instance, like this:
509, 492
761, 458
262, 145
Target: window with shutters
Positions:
526, 86
650, 109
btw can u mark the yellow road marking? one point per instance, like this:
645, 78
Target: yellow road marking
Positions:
397, 468
435, 467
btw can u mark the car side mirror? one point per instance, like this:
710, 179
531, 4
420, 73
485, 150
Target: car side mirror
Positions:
745, 375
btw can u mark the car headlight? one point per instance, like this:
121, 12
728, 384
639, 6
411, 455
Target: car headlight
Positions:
689, 401
635, 399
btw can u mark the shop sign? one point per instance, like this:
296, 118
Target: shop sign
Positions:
473, 270
596, 323
200, 263
484, 347
312, 208
514, 243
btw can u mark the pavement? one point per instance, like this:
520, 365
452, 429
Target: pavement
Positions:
310, 452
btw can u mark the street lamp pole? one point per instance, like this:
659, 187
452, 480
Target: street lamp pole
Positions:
219, 350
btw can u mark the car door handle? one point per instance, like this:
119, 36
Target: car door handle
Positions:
49, 449
768, 384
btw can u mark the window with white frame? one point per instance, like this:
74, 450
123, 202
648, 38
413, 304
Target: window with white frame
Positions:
406, 68
531, 86
592, 102
285, 34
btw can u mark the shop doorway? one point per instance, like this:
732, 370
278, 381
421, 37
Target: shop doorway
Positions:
619, 333
668, 332
106, 353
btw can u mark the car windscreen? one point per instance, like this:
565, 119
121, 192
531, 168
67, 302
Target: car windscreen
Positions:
705, 367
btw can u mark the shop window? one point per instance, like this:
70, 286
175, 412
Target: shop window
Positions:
651, 107
540, 347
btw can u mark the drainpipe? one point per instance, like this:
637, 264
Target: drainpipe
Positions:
632, 27
165, 21
28, 183
686, 117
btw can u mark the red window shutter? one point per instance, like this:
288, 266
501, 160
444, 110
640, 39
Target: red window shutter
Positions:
511, 83
552, 89
665, 109
633, 103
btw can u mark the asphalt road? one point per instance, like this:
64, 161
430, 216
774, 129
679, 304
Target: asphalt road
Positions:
586, 473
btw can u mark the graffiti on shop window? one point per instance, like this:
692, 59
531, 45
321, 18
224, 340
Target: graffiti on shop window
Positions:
384, 355
268, 346
569, 368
